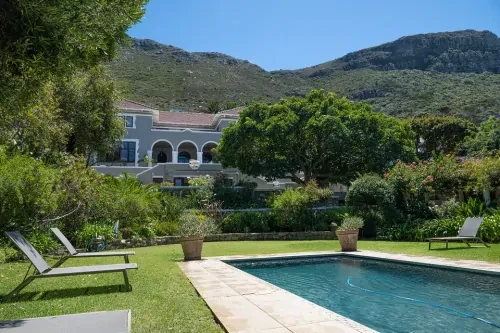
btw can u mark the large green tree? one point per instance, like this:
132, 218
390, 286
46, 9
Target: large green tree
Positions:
87, 107
43, 38
440, 134
54, 93
319, 137
74, 114
486, 141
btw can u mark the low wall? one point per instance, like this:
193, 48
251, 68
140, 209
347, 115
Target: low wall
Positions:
165, 240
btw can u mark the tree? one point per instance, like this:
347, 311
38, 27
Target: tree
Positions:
74, 114
486, 141
42, 39
440, 134
87, 105
320, 137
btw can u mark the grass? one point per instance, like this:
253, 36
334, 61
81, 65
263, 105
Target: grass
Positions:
163, 300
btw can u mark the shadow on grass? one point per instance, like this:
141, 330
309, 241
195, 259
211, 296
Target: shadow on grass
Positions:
63, 293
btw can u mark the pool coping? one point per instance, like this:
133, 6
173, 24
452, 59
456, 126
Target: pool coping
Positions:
242, 302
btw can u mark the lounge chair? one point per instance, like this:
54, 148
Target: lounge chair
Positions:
44, 271
74, 254
105, 321
468, 233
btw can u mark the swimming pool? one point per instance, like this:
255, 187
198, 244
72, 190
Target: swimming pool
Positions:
388, 296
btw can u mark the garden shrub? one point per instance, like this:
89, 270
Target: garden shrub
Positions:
233, 197
447, 209
173, 207
324, 218
91, 230
125, 199
169, 228
419, 230
406, 231
368, 191
292, 207
242, 222
472, 208
316, 220
485, 174
204, 193
412, 182
146, 231
43, 241
8, 254
28, 193
372, 197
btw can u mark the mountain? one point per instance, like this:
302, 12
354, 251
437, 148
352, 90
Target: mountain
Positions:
439, 73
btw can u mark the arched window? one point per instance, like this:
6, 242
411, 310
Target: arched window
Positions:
208, 154
207, 157
161, 151
183, 157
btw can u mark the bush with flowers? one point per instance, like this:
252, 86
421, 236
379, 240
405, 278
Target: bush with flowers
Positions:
443, 176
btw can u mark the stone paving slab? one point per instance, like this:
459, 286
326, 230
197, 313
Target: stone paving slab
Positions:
244, 303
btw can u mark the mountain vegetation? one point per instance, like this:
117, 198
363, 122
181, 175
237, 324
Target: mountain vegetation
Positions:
450, 73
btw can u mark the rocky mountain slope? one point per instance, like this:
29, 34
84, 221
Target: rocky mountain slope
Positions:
442, 73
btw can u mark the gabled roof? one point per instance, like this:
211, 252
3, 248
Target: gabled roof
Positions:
180, 119
131, 105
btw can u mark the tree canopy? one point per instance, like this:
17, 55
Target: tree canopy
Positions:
54, 93
440, 134
39, 39
73, 114
486, 141
320, 137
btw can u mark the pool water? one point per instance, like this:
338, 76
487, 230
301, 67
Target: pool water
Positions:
388, 296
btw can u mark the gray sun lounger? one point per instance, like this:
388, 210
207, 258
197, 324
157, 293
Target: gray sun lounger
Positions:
105, 321
467, 234
44, 271
73, 253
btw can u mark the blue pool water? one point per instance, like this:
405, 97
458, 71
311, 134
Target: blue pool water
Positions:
387, 296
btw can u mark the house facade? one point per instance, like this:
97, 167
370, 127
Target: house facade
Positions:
159, 145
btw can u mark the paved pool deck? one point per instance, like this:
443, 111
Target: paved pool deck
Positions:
244, 303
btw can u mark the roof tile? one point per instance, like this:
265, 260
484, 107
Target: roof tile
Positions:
186, 118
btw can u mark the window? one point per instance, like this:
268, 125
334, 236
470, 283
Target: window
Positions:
183, 157
207, 158
181, 181
126, 152
129, 121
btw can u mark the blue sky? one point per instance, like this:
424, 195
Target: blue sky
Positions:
291, 34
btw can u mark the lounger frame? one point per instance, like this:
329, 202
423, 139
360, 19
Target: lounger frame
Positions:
42, 269
73, 253
467, 234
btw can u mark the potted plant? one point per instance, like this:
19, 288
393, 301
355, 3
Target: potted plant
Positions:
348, 232
193, 228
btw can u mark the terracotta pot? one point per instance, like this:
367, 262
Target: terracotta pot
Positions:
348, 239
192, 248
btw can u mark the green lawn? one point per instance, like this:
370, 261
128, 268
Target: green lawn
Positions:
163, 300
